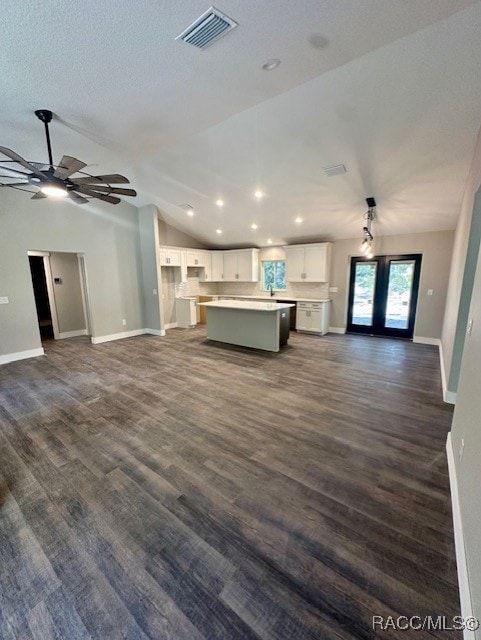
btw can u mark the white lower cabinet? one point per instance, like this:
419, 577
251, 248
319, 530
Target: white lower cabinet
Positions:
313, 317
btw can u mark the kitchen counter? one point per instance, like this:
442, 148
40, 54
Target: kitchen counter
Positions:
248, 323
247, 305
268, 297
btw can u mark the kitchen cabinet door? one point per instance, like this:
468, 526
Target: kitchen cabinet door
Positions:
245, 266
194, 258
217, 266
294, 264
206, 272
170, 257
230, 266
315, 263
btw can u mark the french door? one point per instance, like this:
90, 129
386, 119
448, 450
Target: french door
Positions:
383, 294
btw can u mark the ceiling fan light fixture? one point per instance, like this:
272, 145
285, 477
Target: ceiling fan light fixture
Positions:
54, 191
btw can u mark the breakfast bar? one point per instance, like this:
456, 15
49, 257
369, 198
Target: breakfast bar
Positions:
246, 323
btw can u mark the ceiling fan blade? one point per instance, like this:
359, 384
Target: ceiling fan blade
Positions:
68, 166
113, 178
13, 184
13, 173
108, 190
77, 197
100, 196
38, 196
19, 160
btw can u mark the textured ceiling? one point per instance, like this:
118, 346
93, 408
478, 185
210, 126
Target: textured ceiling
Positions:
391, 88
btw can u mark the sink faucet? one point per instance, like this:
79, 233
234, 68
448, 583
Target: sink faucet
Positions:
272, 290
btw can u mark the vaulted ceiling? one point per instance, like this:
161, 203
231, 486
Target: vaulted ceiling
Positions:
389, 88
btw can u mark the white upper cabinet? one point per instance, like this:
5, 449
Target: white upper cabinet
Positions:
206, 272
170, 257
308, 262
241, 265
194, 258
217, 269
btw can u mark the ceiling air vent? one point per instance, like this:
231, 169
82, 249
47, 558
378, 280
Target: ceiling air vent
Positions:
209, 27
334, 170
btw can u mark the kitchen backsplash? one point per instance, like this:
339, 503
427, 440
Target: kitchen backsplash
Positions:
193, 287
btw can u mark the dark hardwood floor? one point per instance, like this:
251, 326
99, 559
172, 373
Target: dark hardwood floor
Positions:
174, 488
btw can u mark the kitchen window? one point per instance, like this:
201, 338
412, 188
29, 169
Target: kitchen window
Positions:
274, 275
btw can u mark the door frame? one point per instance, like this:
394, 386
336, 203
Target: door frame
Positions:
377, 327
50, 290
51, 296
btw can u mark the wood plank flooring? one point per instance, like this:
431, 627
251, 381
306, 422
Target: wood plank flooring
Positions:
179, 489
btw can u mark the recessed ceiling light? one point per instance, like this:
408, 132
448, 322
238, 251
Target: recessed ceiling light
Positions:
298, 220
219, 231
188, 208
258, 194
253, 225
219, 203
269, 241
271, 64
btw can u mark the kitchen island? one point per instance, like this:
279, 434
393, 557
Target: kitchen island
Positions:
247, 323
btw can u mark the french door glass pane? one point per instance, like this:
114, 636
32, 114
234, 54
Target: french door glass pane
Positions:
364, 284
401, 273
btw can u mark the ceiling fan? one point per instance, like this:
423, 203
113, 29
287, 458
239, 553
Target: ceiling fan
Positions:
58, 181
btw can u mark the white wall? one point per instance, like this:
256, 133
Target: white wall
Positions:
436, 249
108, 236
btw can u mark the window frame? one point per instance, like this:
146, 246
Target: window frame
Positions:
263, 282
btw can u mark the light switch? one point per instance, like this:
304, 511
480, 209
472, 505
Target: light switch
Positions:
4, 300
155, 292
430, 292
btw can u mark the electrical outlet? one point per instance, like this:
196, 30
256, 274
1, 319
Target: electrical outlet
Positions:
430, 292
470, 326
155, 292
124, 322
461, 450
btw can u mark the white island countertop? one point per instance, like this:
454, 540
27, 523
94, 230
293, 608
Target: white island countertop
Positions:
247, 305
275, 297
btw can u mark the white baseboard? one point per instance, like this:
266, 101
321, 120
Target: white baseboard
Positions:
21, 355
421, 340
448, 396
337, 330
155, 332
463, 577
72, 334
170, 325
117, 336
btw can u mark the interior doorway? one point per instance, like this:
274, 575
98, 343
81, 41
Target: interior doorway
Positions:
59, 281
383, 293
42, 302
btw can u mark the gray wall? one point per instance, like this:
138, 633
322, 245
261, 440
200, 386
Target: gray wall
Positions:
108, 236
436, 249
68, 294
175, 238
466, 425
149, 242
458, 298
